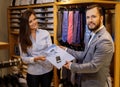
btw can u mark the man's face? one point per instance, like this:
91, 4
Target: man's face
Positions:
93, 19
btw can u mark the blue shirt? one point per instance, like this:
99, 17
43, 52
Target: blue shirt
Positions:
42, 41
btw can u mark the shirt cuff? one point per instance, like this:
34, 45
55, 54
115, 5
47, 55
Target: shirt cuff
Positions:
70, 66
66, 49
32, 59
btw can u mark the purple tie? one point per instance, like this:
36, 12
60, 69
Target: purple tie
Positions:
75, 26
65, 26
78, 29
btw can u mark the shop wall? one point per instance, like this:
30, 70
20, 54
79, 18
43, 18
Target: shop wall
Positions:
3, 27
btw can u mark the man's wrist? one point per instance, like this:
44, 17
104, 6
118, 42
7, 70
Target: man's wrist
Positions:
66, 49
32, 59
70, 66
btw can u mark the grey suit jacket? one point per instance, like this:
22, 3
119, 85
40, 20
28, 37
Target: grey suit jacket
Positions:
95, 59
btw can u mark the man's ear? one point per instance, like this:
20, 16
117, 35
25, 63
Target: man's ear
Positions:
101, 19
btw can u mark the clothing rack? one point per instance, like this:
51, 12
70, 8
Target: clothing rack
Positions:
9, 63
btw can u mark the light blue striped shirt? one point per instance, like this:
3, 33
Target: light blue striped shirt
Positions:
43, 40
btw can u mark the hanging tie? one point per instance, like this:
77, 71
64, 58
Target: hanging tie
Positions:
65, 26
70, 27
75, 26
59, 27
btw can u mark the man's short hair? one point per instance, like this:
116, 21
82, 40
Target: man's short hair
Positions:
100, 9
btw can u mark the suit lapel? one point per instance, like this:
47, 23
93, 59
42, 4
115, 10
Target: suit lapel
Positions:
96, 37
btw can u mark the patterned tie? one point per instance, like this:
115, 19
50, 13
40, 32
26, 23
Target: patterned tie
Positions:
70, 27
65, 26
59, 27
75, 26
78, 29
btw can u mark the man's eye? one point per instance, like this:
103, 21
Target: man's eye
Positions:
93, 16
87, 17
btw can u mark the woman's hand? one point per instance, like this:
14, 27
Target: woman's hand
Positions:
39, 58
62, 47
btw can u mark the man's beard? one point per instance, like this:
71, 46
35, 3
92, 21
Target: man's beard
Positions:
94, 28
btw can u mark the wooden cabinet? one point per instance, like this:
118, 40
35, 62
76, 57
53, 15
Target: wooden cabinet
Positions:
45, 15
4, 45
112, 6
50, 24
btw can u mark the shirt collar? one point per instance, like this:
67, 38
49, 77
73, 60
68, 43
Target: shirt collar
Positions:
37, 30
99, 29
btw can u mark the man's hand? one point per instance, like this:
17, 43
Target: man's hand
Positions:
68, 64
62, 47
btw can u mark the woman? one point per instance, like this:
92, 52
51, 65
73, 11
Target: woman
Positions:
32, 41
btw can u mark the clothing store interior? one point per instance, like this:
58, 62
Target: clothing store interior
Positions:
59, 43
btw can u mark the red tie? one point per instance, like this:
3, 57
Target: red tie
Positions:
70, 27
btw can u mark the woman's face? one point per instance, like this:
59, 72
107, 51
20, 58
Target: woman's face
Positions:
33, 23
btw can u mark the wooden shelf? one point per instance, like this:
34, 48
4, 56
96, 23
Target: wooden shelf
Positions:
4, 45
114, 5
106, 4
86, 1
31, 6
15, 32
15, 56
